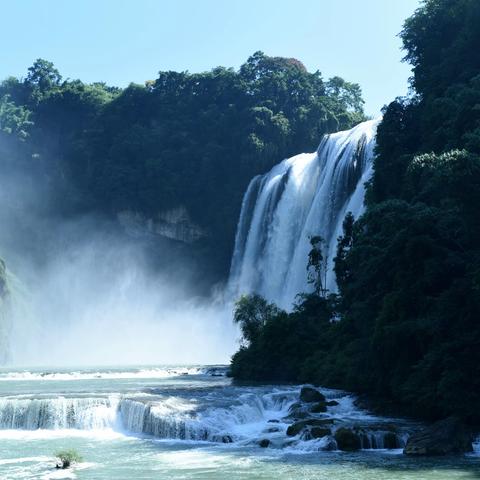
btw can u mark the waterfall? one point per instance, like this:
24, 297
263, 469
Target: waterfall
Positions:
57, 413
303, 196
227, 415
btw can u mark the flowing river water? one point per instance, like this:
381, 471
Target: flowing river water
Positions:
187, 423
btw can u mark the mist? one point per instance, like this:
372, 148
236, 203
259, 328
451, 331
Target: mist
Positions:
84, 293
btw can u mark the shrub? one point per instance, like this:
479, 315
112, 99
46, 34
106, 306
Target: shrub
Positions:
67, 457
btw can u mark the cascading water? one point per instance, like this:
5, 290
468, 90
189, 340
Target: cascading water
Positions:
191, 408
57, 413
303, 196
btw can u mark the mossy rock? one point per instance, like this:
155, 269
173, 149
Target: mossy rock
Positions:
310, 395
347, 440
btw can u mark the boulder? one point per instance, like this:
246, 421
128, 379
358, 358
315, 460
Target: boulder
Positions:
347, 440
297, 411
294, 406
441, 438
319, 432
264, 443
310, 395
319, 407
272, 430
297, 427
330, 444
390, 441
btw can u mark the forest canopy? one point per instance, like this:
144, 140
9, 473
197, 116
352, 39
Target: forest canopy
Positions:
183, 139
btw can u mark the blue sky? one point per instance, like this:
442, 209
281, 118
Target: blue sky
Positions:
120, 41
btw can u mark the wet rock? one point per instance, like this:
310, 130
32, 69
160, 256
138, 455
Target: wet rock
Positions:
310, 395
295, 406
226, 439
273, 420
319, 432
297, 411
347, 440
390, 441
442, 438
332, 403
264, 443
319, 407
298, 415
272, 430
297, 427
330, 444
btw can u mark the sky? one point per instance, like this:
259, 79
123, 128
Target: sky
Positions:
123, 41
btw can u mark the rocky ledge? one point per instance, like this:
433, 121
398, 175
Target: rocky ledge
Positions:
448, 436
311, 418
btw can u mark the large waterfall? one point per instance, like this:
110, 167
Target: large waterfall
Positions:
303, 196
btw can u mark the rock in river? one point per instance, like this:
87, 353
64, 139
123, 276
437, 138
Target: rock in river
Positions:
442, 438
309, 395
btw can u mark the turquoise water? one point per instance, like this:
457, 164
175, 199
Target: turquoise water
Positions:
104, 414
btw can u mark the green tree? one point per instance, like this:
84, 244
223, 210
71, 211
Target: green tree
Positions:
317, 266
251, 313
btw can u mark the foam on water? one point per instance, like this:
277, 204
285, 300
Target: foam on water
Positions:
102, 374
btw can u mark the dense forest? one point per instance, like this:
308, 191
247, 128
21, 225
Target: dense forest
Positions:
408, 270
189, 140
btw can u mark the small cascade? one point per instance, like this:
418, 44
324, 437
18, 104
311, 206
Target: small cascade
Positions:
57, 413
176, 418
150, 419
303, 196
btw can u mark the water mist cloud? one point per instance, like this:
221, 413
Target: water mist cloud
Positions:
83, 293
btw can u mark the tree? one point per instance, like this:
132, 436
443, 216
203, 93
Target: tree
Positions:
317, 266
14, 120
251, 313
43, 75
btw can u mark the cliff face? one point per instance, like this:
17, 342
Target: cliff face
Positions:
174, 224
3, 281
4, 326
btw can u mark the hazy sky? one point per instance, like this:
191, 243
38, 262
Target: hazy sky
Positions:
119, 41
